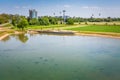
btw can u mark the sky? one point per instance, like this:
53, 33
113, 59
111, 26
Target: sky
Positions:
77, 8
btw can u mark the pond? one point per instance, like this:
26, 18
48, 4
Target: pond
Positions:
55, 57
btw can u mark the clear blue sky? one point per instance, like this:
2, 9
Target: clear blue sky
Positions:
81, 8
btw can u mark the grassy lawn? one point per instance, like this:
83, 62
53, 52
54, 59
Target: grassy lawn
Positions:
75, 27
7, 25
53, 27
87, 29
2, 33
101, 23
45, 27
97, 28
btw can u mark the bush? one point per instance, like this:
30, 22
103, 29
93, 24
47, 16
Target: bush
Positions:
106, 24
86, 23
22, 24
114, 24
70, 21
44, 21
33, 21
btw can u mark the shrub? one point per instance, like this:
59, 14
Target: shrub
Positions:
70, 21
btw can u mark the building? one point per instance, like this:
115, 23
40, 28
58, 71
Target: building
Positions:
32, 13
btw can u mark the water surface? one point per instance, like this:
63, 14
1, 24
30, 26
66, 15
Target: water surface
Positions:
54, 57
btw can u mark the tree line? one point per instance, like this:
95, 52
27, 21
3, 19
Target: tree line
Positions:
4, 18
21, 21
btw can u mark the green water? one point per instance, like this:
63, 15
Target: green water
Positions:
53, 57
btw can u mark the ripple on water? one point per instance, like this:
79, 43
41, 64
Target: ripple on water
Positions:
101, 69
46, 60
41, 57
56, 64
37, 62
18, 67
7, 50
75, 71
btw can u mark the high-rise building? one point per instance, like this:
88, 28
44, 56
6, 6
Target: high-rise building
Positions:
64, 15
32, 13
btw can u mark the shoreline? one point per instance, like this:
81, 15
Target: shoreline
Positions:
97, 35
67, 32
77, 33
4, 36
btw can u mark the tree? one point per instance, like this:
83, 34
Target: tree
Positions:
14, 22
44, 21
53, 20
4, 18
22, 24
15, 19
70, 21
33, 21
1, 20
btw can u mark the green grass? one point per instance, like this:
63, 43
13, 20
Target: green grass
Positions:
2, 33
7, 25
97, 28
76, 27
53, 27
44, 27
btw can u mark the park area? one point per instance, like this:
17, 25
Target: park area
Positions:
99, 28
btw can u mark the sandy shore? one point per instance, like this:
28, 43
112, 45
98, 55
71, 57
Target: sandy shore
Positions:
65, 32
98, 35
4, 36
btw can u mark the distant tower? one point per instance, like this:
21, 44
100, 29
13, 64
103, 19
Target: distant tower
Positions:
99, 14
64, 15
32, 13
54, 14
60, 13
92, 15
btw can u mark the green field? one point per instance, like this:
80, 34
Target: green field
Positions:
45, 27
90, 28
97, 28
82, 28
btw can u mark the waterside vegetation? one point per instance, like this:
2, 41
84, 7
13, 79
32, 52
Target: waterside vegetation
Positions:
21, 24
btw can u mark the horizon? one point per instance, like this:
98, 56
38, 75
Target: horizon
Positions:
77, 8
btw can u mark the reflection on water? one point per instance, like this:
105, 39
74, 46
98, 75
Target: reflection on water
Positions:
52, 57
6, 39
21, 37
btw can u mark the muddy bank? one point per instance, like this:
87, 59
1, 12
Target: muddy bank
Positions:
66, 32
59, 32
